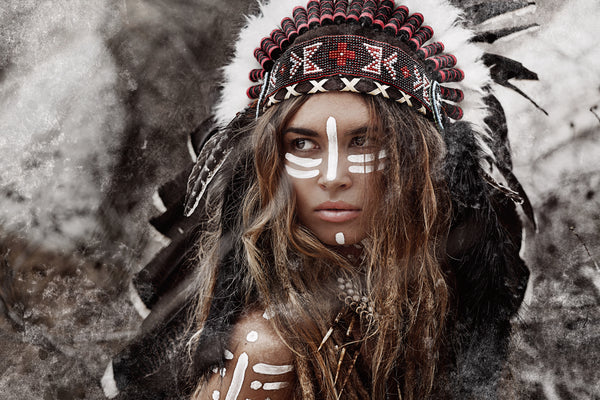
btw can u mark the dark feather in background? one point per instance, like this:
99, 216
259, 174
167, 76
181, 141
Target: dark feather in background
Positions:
96, 103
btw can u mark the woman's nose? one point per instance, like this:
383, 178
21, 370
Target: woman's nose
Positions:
334, 174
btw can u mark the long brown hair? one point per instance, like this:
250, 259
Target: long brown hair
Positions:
294, 274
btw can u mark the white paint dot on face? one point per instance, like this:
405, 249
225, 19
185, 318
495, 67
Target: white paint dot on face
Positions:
255, 385
252, 336
216, 395
228, 355
332, 158
223, 371
339, 238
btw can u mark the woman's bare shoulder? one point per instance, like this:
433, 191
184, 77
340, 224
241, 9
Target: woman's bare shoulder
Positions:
258, 364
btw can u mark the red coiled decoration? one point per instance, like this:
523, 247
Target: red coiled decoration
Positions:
430, 50
408, 29
396, 20
383, 14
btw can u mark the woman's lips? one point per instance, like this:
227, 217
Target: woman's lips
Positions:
337, 215
337, 211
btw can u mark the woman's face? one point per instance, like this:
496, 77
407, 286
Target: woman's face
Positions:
331, 165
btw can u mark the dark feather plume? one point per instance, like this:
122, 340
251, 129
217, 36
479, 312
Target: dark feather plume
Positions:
500, 146
478, 12
210, 161
492, 36
502, 69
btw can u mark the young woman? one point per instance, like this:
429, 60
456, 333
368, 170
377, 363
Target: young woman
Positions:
347, 240
345, 220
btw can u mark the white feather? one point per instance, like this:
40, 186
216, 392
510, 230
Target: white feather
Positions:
233, 97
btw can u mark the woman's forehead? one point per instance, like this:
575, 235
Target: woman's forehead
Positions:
349, 110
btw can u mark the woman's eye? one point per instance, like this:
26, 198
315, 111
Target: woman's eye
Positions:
359, 141
303, 144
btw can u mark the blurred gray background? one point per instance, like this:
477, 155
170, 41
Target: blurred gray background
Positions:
96, 101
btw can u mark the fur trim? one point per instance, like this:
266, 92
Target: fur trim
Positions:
445, 19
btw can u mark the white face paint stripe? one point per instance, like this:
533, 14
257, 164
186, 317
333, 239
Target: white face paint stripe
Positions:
360, 169
332, 159
295, 173
363, 158
275, 385
268, 369
303, 161
238, 377
339, 238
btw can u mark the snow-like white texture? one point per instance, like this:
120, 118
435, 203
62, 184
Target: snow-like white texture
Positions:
59, 121
439, 14
564, 53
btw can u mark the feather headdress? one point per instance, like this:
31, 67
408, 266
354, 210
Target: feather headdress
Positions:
448, 28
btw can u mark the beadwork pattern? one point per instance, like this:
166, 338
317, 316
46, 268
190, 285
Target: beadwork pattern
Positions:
350, 63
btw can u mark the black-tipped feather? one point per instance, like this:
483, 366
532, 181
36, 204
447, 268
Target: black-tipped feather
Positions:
502, 69
482, 11
492, 36
210, 161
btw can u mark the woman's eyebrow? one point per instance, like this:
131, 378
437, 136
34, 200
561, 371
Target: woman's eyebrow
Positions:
358, 131
301, 131
309, 132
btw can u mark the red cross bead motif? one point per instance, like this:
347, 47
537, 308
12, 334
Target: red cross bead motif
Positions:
342, 54
405, 71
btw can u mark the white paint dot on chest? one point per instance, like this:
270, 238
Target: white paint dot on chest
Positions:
339, 238
255, 385
252, 336
216, 395
268, 314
